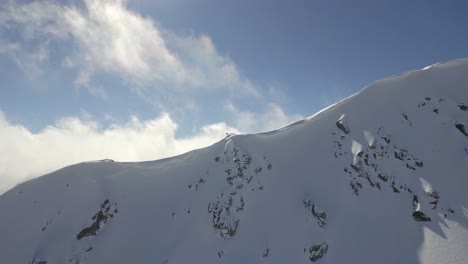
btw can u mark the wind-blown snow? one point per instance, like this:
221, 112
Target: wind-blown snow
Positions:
377, 178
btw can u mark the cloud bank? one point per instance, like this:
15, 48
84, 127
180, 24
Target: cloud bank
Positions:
71, 140
272, 118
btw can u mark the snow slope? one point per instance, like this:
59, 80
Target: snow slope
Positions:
380, 177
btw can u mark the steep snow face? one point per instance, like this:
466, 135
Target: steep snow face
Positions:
380, 177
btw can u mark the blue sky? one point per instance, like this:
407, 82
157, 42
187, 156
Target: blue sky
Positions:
321, 51
161, 77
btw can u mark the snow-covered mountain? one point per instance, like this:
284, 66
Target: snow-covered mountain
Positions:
380, 177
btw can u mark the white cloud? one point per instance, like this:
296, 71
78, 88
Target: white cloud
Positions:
75, 139
27, 61
71, 140
106, 37
272, 118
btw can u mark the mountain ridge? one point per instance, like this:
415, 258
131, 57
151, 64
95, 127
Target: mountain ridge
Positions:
377, 177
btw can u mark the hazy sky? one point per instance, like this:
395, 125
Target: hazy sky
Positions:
144, 79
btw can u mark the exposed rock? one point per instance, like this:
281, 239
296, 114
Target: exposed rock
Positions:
463, 107
420, 217
99, 218
415, 201
35, 261
461, 128
401, 154
342, 124
383, 177
320, 215
355, 186
405, 116
316, 212
316, 252
222, 219
395, 190
405, 156
435, 198
448, 211
242, 173
387, 139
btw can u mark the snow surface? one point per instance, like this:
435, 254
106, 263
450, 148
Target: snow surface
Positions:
305, 193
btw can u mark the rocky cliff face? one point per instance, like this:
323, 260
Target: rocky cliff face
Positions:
380, 177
